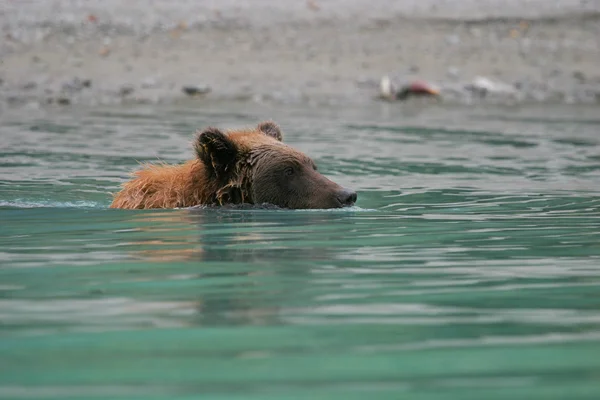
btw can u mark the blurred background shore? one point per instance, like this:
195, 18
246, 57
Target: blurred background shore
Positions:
319, 51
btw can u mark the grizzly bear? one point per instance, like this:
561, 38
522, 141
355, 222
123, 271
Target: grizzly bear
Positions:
249, 166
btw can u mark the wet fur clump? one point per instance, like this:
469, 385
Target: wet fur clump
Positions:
250, 166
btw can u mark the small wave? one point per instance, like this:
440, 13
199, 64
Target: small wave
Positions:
345, 209
49, 204
255, 207
244, 206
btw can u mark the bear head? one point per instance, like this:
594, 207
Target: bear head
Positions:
254, 166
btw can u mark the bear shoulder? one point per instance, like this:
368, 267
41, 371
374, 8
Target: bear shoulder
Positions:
164, 186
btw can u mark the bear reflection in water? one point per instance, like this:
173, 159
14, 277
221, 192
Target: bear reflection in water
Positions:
228, 234
250, 166
229, 257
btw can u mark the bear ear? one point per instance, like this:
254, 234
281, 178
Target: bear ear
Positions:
216, 151
270, 128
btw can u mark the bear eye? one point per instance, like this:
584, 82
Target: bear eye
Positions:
289, 171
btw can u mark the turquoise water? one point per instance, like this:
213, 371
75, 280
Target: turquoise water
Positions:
468, 269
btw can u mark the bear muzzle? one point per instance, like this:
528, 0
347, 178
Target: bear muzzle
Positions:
346, 197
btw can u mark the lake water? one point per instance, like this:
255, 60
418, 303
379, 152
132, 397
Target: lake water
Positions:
468, 269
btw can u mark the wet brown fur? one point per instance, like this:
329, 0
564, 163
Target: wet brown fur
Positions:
192, 183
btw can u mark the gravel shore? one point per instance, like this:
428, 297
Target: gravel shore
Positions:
319, 51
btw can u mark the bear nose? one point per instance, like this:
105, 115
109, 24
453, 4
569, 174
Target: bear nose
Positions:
347, 197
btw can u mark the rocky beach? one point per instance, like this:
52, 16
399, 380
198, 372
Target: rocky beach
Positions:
63, 53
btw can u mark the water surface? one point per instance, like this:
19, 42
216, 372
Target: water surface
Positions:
469, 268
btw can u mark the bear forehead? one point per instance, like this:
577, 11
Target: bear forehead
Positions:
266, 147
250, 137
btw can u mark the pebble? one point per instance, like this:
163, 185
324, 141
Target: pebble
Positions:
196, 90
475, 32
76, 85
579, 76
126, 90
63, 101
452, 72
32, 105
13, 99
29, 85
149, 83
483, 86
555, 72
104, 51
452, 40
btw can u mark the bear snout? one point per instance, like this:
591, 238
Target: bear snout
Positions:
347, 197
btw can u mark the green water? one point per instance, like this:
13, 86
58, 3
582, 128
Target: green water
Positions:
468, 269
